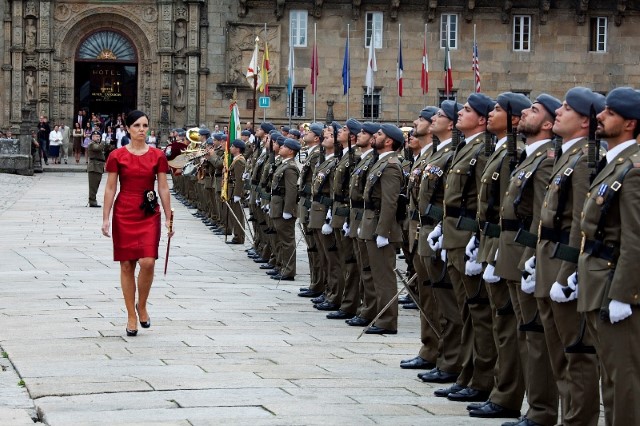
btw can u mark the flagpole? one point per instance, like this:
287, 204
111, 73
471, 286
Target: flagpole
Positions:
315, 77
264, 110
398, 77
255, 88
446, 75
373, 78
426, 77
348, 69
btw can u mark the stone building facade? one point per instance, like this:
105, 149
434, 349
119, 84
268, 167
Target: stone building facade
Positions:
182, 60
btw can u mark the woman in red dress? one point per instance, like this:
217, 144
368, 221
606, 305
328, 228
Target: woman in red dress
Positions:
136, 215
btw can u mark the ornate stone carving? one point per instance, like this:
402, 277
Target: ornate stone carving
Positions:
242, 8
545, 5
621, 8
581, 11
394, 5
468, 10
30, 9
62, 12
29, 86
44, 64
240, 44
150, 14
317, 8
355, 9
431, 10
182, 13
30, 35
279, 9
180, 64
180, 37
330, 117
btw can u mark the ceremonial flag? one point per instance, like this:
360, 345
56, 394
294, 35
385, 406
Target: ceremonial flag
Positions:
314, 69
253, 69
399, 67
476, 67
291, 69
346, 69
235, 129
372, 67
448, 76
424, 76
264, 71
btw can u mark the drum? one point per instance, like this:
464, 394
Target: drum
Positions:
189, 169
179, 162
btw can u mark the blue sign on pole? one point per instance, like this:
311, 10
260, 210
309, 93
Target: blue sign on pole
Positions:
264, 102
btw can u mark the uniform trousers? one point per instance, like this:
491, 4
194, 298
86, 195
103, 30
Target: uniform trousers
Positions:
481, 336
316, 274
350, 273
616, 344
368, 308
286, 231
335, 282
541, 388
383, 262
509, 387
238, 221
429, 308
577, 374
94, 183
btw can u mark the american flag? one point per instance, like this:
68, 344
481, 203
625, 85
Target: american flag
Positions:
476, 67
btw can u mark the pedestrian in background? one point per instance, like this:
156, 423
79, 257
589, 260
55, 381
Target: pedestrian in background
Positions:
77, 141
55, 140
65, 131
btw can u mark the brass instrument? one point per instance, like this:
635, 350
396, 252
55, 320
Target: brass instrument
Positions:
193, 136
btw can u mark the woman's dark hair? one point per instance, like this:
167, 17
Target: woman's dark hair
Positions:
133, 116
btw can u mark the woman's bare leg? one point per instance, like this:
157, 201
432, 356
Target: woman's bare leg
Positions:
145, 279
128, 284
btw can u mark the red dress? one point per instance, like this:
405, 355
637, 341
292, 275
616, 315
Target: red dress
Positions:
135, 234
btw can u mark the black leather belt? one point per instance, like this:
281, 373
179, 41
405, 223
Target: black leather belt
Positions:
357, 204
551, 235
456, 212
425, 219
490, 229
340, 198
370, 205
512, 225
323, 200
600, 250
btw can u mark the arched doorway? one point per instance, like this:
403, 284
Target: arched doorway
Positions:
106, 74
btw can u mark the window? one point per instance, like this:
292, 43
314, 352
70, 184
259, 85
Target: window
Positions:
368, 101
297, 103
598, 35
298, 27
453, 95
374, 20
450, 22
521, 33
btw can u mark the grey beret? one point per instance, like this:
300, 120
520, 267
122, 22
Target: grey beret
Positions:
286, 129
266, 126
181, 132
317, 128
209, 141
245, 133
451, 108
392, 131
292, 144
581, 99
371, 128
204, 132
279, 140
238, 143
518, 102
295, 132
336, 126
354, 126
428, 112
624, 101
481, 103
549, 103
218, 136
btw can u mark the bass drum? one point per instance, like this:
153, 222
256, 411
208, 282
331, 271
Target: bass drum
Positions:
189, 169
179, 162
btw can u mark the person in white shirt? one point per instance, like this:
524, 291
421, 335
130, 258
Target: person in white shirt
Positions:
55, 140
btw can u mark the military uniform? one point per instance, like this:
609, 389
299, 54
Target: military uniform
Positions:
317, 277
381, 191
460, 207
575, 373
95, 169
284, 194
508, 390
607, 270
322, 202
254, 199
235, 188
430, 208
521, 209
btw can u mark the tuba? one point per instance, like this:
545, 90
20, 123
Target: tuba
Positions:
193, 136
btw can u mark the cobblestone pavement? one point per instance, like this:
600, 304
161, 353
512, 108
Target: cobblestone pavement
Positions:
227, 345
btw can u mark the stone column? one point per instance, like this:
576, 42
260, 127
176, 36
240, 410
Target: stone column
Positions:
45, 51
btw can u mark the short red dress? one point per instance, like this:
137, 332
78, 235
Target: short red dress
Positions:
135, 233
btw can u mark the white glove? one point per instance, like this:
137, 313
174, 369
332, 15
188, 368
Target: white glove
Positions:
258, 202
358, 230
329, 214
443, 254
496, 256
434, 238
572, 282
557, 293
245, 176
236, 199
530, 265
286, 215
618, 311
489, 275
382, 241
472, 249
267, 209
345, 228
326, 229
528, 285
471, 268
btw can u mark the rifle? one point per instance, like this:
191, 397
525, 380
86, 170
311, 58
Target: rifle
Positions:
489, 143
435, 142
337, 147
557, 148
455, 134
593, 154
512, 147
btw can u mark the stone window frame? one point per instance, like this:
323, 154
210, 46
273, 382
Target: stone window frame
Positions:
452, 20
442, 97
377, 104
372, 18
522, 33
598, 34
300, 110
297, 34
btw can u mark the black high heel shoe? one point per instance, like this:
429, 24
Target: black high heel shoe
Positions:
143, 324
131, 332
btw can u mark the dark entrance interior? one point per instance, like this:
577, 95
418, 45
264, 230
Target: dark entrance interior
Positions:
105, 88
